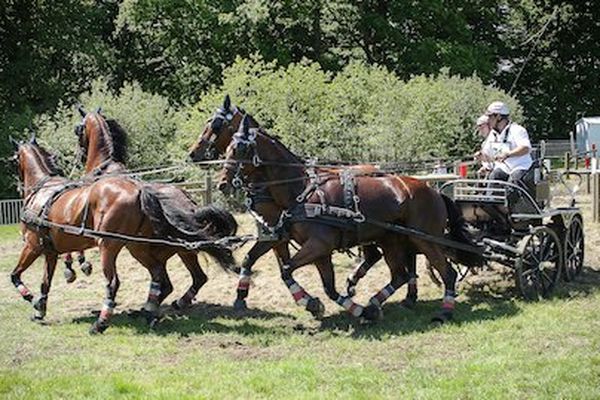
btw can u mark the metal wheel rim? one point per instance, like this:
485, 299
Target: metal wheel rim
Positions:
539, 267
574, 248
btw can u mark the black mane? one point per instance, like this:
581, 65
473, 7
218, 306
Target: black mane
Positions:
118, 138
49, 160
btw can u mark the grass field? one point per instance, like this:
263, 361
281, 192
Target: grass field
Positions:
498, 347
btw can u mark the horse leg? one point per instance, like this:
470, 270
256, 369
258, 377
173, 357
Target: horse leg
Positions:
28, 255
86, 266
41, 303
199, 278
160, 284
396, 258
410, 301
437, 259
257, 251
371, 256
325, 268
109, 251
68, 272
311, 250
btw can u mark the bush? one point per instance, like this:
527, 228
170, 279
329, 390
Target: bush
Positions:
148, 119
363, 113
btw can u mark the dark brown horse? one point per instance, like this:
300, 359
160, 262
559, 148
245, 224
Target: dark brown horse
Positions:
260, 160
111, 205
212, 144
103, 146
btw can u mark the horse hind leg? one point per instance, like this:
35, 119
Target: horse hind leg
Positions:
40, 304
449, 275
199, 278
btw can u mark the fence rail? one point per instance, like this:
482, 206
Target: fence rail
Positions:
10, 211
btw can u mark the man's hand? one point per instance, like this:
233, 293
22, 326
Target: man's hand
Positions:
502, 156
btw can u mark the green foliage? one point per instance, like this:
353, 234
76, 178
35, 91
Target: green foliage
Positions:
149, 121
362, 113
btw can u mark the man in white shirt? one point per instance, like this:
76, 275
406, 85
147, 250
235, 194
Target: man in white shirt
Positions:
509, 144
485, 155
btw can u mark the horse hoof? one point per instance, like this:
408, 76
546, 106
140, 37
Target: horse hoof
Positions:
28, 298
86, 268
315, 307
409, 302
350, 291
153, 323
70, 275
240, 304
372, 312
36, 317
442, 317
98, 327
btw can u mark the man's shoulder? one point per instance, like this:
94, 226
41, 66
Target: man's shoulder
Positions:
516, 128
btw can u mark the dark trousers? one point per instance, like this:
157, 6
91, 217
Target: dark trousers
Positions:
515, 177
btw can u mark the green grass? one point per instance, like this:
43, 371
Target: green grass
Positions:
8, 232
498, 347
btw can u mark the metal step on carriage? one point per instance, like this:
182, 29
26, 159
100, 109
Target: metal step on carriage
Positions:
516, 226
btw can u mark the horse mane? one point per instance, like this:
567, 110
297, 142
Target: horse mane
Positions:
118, 141
49, 160
274, 138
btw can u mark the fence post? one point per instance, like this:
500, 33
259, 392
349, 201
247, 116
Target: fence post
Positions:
567, 160
208, 189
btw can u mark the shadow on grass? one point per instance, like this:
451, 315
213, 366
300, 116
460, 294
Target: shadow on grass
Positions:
197, 319
482, 302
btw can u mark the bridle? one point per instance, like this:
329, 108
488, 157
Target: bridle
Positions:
243, 142
219, 120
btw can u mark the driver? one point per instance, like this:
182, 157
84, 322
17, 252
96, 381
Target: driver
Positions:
509, 143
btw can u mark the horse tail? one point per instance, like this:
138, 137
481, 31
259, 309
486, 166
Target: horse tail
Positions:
163, 228
458, 232
218, 222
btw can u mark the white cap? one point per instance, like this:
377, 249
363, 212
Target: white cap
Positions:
497, 107
482, 120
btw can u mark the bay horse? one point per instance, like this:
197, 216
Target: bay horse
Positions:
112, 205
257, 159
103, 148
212, 144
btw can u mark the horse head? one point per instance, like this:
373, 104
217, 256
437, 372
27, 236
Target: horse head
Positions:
241, 157
217, 133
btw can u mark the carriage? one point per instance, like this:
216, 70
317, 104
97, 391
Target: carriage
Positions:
516, 226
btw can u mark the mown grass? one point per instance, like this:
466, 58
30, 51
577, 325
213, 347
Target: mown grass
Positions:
498, 347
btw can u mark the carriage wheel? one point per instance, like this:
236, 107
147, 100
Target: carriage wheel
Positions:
538, 268
574, 248
435, 276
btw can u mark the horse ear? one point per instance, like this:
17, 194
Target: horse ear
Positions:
226, 103
33, 139
246, 125
81, 111
14, 142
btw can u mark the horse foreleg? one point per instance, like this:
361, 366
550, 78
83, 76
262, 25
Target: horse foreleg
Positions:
109, 251
41, 303
68, 272
28, 255
325, 268
199, 278
371, 256
86, 266
257, 251
311, 251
